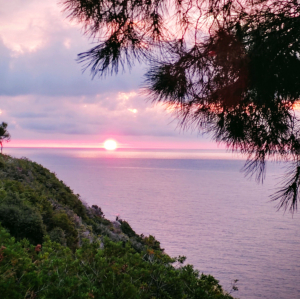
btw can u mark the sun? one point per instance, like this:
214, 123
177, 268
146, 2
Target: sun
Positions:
110, 145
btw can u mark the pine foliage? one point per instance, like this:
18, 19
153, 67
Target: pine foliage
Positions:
229, 68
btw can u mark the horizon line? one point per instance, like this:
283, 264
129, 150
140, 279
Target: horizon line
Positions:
119, 148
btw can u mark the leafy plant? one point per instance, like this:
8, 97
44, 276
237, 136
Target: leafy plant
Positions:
4, 134
116, 271
23, 222
52, 246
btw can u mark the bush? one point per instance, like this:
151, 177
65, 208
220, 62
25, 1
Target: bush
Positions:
126, 229
117, 271
152, 242
97, 211
62, 221
58, 235
33, 202
23, 222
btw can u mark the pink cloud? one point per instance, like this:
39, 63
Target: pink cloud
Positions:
47, 101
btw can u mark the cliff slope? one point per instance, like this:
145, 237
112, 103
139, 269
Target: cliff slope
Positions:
54, 246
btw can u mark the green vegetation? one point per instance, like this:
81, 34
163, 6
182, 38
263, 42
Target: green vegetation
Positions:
4, 134
54, 246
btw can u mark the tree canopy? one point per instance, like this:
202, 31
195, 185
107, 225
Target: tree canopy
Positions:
228, 68
4, 134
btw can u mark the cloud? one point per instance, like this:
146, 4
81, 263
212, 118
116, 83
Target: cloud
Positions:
38, 49
88, 115
44, 94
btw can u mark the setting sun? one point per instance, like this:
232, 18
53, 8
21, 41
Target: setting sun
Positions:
110, 145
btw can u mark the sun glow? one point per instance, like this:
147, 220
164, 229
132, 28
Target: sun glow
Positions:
296, 106
133, 110
110, 145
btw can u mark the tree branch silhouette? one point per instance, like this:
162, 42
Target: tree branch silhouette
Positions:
228, 68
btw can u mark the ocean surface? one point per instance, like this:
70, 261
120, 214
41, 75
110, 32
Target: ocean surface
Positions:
197, 204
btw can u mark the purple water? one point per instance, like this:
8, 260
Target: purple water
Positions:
197, 204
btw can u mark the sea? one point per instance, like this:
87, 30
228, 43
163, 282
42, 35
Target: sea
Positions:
197, 203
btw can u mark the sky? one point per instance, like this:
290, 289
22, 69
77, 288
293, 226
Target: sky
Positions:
48, 101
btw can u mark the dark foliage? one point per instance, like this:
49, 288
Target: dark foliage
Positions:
34, 204
62, 221
4, 134
48, 251
116, 271
58, 235
229, 68
22, 222
97, 211
126, 229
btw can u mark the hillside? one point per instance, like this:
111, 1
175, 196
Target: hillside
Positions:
54, 246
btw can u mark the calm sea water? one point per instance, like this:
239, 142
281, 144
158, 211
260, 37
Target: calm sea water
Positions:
197, 204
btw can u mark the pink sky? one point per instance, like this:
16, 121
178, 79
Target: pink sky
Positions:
131, 143
47, 100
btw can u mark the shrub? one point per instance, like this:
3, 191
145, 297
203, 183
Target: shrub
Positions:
33, 201
62, 221
152, 242
97, 211
126, 229
58, 235
117, 271
23, 222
